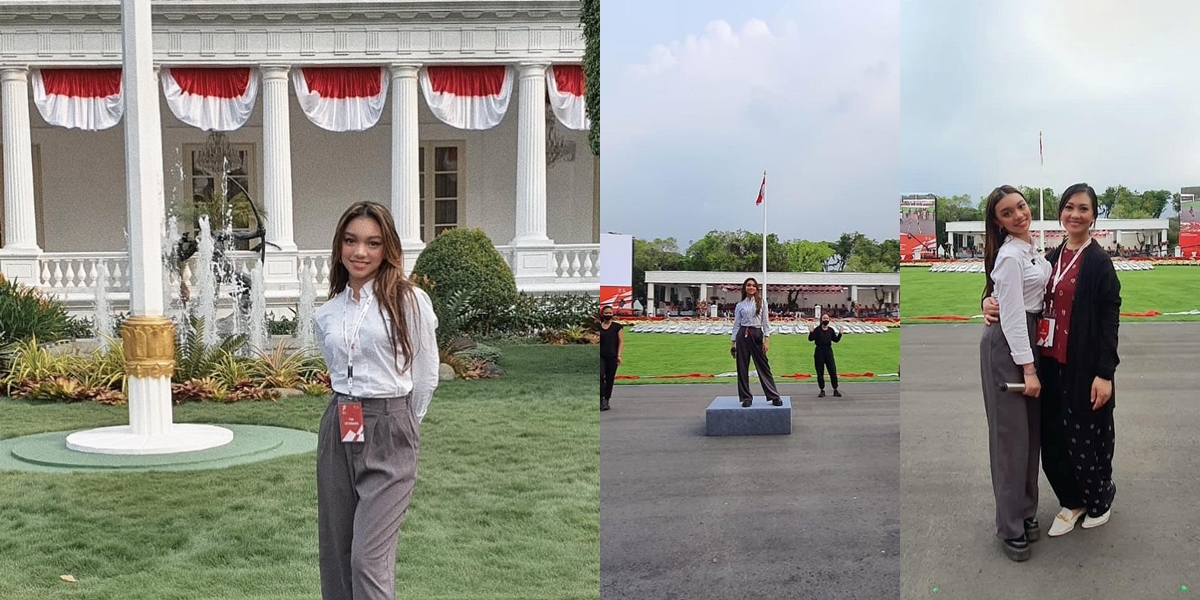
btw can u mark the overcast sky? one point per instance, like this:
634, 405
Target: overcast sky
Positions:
699, 97
1114, 86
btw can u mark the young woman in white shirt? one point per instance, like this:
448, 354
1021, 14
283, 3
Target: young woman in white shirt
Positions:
378, 334
1016, 276
751, 339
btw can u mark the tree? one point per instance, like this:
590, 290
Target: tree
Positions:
654, 255
868, 256
1129, 204
889, 251
954, 208
843, 248
590, 18
803, 255
735, 251
1033, 197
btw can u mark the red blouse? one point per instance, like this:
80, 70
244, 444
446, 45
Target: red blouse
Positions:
1059, 304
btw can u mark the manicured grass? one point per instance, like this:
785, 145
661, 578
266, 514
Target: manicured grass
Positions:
507, 502
679, 354
1164, 289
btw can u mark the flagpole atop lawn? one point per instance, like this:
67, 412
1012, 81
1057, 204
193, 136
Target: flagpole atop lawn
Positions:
1042, 193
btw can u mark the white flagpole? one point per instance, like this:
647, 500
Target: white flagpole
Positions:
1042, 194
763, 287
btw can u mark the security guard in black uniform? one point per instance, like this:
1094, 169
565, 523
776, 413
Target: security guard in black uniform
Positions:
825, 336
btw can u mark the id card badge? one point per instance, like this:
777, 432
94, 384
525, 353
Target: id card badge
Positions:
1045, 333
350, 416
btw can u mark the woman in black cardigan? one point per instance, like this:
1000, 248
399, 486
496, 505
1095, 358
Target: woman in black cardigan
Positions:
1078, 339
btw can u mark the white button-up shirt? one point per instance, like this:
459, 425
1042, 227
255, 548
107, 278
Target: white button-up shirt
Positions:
743, 316
375, 369
1020, 275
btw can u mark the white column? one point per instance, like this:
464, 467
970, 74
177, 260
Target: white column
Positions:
406, 151
277, 158
531, 158
650, 300
20, 225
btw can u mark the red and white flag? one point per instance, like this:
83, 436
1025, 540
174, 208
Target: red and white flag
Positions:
212, 99
565, 86
472, 98
88, 99
762, 191
341, 98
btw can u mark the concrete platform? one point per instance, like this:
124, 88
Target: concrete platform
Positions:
727, 416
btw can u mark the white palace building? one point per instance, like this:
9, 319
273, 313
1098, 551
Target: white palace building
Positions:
460, 113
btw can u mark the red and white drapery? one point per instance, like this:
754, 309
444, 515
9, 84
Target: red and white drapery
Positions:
565, 85
88, 99
341, 98
212, 99
474, 98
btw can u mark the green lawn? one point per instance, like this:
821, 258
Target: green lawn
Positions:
1164, 289
679, 354
507, 502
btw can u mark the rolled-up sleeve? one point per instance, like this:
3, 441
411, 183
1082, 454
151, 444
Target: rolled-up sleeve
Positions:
426, 360
1011, 296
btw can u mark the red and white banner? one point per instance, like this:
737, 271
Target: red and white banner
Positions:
565, 85
472, 98
88, 99
341, 98
212, 99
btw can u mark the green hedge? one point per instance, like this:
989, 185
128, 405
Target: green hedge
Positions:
469, 282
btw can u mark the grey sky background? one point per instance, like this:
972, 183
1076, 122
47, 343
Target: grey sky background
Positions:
700, 97
1114, 87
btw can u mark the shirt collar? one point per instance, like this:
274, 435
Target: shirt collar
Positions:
368, 290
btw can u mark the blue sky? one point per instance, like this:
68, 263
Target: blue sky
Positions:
1114, 86
700, 97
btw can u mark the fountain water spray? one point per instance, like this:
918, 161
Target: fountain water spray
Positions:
306, 308
103, 320
258, 309
205, 307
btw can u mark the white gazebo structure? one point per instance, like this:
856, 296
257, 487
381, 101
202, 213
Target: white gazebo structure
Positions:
813, 288
454, 113
1129, 233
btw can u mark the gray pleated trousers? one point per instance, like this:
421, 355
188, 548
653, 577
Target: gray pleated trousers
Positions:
363, 490
1014, 430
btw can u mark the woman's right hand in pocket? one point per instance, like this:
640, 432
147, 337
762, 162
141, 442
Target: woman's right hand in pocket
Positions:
1033, 386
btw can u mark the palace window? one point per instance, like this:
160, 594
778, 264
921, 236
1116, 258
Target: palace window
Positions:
442, 195
202, 180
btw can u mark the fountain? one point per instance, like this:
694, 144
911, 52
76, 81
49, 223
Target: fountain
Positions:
258, 309
306, 308
205, 306
103, 321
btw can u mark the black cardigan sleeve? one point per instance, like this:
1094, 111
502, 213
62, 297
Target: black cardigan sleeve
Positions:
1109, 314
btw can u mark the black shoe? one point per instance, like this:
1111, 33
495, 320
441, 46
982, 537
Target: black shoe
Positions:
1033, 530
1018, 549
777, 402
837, 394
747, 402
822, 394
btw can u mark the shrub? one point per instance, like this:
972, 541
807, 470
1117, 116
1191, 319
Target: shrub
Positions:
26, 313
533, 315
482, 352
464, 261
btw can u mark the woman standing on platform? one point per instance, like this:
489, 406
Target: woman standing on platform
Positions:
378, 334
1016, 275
751, 339
1079, 358
612, 345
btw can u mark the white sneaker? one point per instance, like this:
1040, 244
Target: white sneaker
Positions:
1089, 522
1064, 522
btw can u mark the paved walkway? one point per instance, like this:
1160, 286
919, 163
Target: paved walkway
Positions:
808, 515
1149, 549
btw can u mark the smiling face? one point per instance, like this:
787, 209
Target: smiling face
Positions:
750, 288
1012, 214
1078, 214
362, 250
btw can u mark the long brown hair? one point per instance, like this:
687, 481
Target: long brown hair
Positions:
757, 295
994, 234
392, 288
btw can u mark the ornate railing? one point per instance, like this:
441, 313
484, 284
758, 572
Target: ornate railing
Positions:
72, 276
